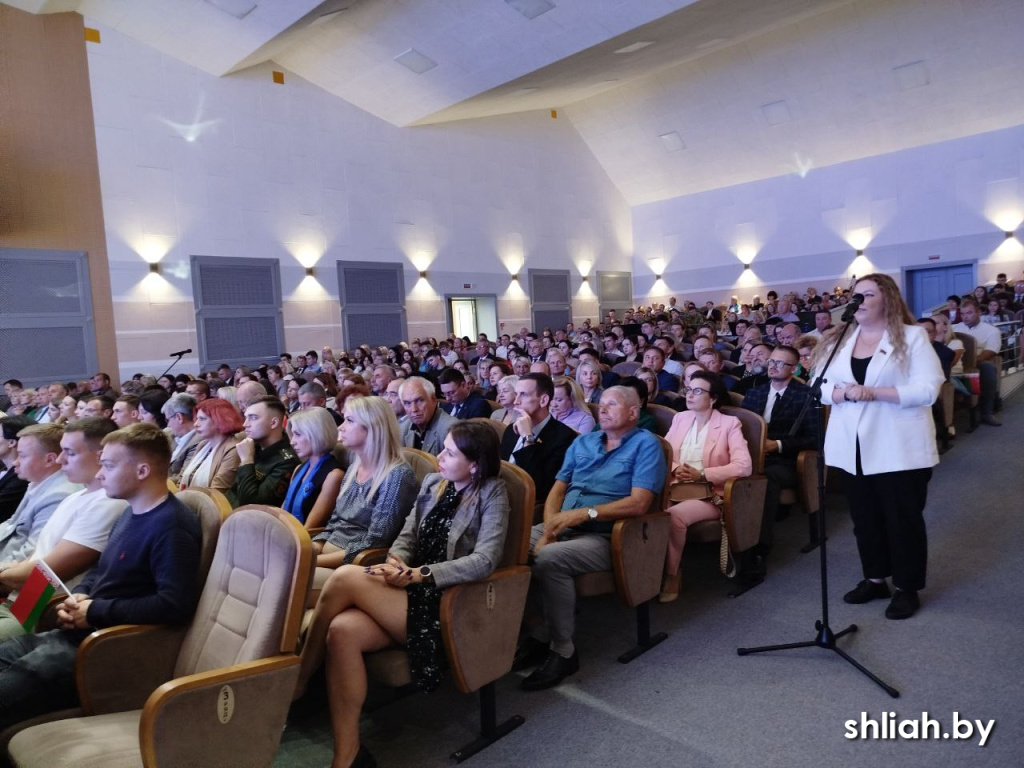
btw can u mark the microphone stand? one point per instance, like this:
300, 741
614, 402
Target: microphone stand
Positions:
177, 359
825, 637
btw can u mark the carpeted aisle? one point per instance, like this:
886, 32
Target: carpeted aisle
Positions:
693, 702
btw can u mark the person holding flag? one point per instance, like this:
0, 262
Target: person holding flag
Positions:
75, 534
146, 575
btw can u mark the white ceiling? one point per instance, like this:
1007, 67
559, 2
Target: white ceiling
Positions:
729, 90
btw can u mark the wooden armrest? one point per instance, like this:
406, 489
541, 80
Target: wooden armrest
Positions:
480, 625
743, 510
807, 475
638, 556
229, 716
118, 668
373, 556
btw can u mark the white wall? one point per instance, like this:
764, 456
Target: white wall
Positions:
952, 199
240, 166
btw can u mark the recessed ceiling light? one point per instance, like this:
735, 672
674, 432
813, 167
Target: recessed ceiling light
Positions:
673, 141
415, 61
635, 47
237, 8
777, 112
531, 9
913, 75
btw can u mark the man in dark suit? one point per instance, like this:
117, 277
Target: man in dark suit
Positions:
536, 441
780, 402
462, 402
12, 487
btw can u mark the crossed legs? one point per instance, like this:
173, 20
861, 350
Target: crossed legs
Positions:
356, 613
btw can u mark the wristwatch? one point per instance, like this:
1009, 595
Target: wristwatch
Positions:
592, 513
426, 576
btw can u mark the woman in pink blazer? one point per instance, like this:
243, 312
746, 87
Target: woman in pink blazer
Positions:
707, 446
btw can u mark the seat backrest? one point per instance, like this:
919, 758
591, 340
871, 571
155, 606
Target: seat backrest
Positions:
627, 369
736, 399
343, 456
522, 495
663, 415
754, 432
495, 405
422, 463
970, 357
595, 411
212, 507
661, 502
251, 605
497, 426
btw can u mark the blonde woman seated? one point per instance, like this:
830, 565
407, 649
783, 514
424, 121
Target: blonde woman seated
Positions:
216, 461
707, 446
507, 414
567, 406
455, 534
315, 485
378, 490
588, 376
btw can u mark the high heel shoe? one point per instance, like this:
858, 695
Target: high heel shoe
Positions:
670, 587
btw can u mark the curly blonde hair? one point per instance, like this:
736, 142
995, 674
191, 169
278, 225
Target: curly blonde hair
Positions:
897, 317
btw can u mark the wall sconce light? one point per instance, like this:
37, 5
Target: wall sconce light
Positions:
154, 268
516, 277
860, 252
423, 274
586, 279
1009, 235
746, 266
310, 272
657, 278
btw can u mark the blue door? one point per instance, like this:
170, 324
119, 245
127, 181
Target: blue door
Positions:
928, 288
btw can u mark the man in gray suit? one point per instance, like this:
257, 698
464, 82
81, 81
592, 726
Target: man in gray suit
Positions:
426, 424
38, 449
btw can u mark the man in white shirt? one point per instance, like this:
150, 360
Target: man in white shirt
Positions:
77, 531
38, 449
988, 342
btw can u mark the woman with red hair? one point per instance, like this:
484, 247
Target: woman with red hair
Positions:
216, 460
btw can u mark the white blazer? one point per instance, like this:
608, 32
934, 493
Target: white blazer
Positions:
892, 436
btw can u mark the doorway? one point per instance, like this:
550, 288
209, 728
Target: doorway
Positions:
928, 287
472, 315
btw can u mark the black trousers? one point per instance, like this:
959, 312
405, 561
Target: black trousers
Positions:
888, 521
781, 474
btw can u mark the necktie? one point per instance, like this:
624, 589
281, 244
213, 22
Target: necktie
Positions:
775, 404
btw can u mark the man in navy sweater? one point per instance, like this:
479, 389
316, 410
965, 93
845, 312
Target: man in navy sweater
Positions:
146, 575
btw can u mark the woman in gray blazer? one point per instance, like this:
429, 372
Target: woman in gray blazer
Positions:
454, 534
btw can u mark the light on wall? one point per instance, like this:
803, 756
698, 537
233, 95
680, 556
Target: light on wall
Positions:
310, 272
1010, 235
423, 274
657, 278
746, 267
860, 251
516, 277
154, 268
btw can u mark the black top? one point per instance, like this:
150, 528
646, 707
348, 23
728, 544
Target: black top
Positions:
859, 366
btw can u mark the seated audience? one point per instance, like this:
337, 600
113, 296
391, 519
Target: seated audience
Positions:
655, 395
151, 405
266, 460
313, 395
614, 473
506, 389
454, 534
77, 531
426, 424
588, 376
215, 463
944, 334
125, 411
314, 486
146, 575
567, 406
646, 419
756, 372
461, 401
654, 358
378, 490
38, 452
12, 486
98, 406
179, 412
988, 343
537, 441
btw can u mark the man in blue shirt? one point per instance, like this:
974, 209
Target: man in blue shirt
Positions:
606, 475
146, 575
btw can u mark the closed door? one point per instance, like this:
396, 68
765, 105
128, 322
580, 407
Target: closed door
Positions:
928, 288
464, 317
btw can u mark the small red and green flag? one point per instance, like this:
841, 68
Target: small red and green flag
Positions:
33, 597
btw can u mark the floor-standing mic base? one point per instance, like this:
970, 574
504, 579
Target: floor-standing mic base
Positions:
826, 639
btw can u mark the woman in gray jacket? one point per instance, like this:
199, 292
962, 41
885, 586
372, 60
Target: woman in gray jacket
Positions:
455, 534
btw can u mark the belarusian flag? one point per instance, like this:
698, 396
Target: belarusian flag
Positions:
33, 597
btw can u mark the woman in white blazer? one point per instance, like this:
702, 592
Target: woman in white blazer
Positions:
881, 385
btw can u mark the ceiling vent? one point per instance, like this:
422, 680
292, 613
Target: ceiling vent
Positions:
237, 8
531, 9
415, 61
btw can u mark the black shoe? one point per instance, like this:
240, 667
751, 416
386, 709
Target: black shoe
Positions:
530, 653
903, 605
866, 591
553, 671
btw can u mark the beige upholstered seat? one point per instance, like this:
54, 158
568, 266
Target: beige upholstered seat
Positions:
743, 506
969, 360
626, 369
422, 463
226, 686
663, 416
638, 559
497, 426
480, 620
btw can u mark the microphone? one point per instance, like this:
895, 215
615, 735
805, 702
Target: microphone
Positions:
851, 309
189, 351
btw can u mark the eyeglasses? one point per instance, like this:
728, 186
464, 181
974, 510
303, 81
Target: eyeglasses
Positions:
782, 363
698, 391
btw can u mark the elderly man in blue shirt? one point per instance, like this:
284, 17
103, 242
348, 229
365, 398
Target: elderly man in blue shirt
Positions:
606, 475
